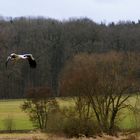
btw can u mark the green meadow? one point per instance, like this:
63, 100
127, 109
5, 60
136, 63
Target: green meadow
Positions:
11, 109
130, 118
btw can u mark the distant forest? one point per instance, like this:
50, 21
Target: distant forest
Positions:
52, 43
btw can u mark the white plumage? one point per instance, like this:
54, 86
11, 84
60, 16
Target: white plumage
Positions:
29, 57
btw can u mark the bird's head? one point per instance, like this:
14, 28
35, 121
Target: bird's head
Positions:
13, 56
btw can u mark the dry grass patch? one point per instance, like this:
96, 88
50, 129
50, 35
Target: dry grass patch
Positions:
43, 136
23, 136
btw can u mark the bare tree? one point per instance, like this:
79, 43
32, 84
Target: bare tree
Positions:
102, 79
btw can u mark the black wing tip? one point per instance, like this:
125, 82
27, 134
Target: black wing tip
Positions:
33, 64
31, 61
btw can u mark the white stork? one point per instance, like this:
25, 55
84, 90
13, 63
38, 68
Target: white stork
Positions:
15, 57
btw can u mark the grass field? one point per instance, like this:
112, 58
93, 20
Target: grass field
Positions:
130, 119
11, 109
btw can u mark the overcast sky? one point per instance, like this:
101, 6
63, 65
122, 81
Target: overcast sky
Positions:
97, 10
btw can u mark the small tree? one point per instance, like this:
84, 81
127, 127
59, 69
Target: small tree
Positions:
38, 105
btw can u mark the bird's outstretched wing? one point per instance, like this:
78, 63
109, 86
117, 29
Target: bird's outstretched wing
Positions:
31, 60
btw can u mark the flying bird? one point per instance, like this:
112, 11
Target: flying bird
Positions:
15, 57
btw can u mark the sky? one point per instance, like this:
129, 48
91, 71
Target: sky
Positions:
98, 10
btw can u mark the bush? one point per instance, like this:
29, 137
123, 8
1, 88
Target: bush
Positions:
66, 121
74, 128
55, 123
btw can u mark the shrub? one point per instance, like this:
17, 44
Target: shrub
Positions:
74, 128
55, 122
38, 105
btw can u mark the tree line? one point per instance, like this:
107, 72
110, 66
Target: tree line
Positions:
53, 43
